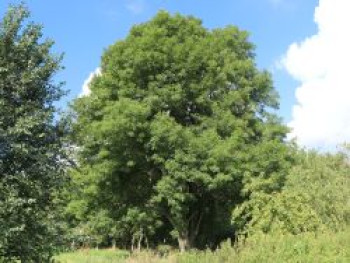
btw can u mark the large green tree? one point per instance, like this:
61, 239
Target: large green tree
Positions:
178, 125
31, 155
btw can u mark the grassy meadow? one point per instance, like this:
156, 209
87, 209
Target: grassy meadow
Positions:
308, 247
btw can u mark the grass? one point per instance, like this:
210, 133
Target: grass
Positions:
305, 248
93, 256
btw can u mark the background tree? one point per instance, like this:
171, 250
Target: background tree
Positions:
315, 197
179, 122
31, 156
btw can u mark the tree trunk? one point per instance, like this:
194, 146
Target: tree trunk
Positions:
132, 243
146, 241
187, 238
140, 240
72, 245
184, 242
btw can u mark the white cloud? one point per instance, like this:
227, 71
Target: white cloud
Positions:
135, 6
85, 91
321, 117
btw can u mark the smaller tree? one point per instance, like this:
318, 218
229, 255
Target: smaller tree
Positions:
315, 196
137, 227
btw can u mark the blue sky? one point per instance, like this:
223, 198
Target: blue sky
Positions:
83, 29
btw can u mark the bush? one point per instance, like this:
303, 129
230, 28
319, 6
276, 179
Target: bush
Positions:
315, 197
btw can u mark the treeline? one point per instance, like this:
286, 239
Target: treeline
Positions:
176, 145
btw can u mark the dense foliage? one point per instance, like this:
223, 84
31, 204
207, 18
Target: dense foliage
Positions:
177, 131
316, 196
31, 156
177, 145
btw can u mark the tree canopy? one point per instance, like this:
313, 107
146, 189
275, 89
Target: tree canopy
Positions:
179, 126
31, 155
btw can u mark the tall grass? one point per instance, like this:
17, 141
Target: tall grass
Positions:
308, 247
93, 256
